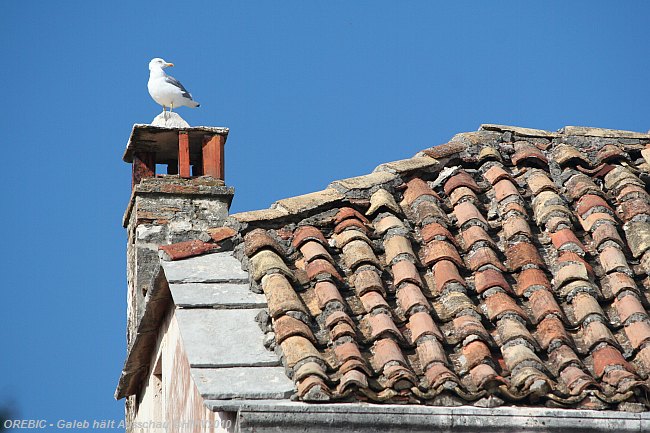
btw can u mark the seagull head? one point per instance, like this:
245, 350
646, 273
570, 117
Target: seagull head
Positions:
159, 63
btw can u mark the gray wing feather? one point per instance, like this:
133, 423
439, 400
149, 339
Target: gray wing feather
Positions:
174, 82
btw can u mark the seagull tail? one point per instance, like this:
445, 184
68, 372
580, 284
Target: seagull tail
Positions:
193, 104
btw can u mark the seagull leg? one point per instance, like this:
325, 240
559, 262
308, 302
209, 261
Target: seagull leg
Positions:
171, 108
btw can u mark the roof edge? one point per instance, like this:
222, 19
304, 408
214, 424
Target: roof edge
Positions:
262, 416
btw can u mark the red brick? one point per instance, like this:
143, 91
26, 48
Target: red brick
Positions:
219, 234
183, 250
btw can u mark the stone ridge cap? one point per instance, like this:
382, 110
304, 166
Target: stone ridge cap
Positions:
388, 175
586, 131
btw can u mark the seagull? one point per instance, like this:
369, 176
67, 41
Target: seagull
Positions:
165, 90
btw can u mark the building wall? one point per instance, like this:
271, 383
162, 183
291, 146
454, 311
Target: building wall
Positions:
169, 400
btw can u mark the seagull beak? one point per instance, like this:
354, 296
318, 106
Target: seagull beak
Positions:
169, 64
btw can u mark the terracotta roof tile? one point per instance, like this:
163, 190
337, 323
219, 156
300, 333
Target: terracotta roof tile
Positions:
409, 296
421, 324
489, 278
381, 326
461, 178
565, 236
495, 174
435, 231
514, 226
305, 233
287, 326
500, 303
638, 333
314, 250
522, 254
542, 304
475, 234
483, 256
416, 188
440, 250
365, 280
418, 305
327, 292
539, 181
527, 154
359, 252
504, 189
259, 239
396, 246
466, 212
445, 272
462, 193
405, 271
372, 300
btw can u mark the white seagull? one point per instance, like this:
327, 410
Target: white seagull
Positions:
165, 90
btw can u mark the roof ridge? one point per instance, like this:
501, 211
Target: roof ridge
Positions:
432, 159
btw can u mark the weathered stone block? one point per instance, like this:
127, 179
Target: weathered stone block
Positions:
213, 338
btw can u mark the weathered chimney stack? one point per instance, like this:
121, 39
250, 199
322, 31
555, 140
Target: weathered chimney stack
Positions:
173, 207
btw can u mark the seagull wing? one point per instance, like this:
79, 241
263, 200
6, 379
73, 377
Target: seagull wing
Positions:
174, 82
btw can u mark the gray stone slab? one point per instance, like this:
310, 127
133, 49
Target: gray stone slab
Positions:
223, 338
216, 295
209, 268
287, 416
242, 383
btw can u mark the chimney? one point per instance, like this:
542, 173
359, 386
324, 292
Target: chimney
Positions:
176, 206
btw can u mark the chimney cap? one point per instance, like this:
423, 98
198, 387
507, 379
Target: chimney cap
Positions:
164, 141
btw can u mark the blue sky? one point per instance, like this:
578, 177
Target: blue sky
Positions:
312, 91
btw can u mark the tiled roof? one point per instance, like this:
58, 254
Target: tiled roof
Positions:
510, 266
